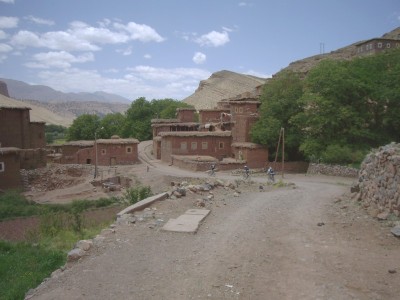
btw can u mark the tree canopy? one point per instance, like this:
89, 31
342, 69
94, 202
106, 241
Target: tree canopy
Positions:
135, 122
338, 112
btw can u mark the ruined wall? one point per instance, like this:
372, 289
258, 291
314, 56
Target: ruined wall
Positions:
332, 170
379, 180
14, 127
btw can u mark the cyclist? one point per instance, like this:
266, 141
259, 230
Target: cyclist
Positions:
271, 174
246, 172
212, 167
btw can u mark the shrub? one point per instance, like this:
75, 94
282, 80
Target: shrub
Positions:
136, 194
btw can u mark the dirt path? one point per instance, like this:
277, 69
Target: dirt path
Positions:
258, 246
302, 243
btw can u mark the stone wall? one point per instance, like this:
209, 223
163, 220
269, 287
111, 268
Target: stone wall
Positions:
332, 170
379, 181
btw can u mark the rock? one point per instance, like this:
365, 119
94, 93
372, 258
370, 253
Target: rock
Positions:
392, 271
84, 245
236, 194
396, 231
355, 188
75, 254
383, 216
320, 224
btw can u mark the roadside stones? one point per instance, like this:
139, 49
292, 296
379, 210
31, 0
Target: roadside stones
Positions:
84, 245
75, 254
396, 231
379, 182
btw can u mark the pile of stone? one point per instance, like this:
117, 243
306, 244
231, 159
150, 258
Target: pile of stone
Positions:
53, 177
379, 181
332, 170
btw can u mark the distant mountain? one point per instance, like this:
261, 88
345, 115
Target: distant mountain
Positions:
38, 113
222, 85
24, 91
66, 105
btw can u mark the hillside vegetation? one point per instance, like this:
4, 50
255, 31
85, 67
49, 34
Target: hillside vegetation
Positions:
336, 114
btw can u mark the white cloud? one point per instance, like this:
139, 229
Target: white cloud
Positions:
140, 81
213, 39
140, 32
8, 22
5, 48
147, 56
60, 59
7, 1
3, 35
126, 52
199, 58
91, 34
40, 21
55, 40
83, 37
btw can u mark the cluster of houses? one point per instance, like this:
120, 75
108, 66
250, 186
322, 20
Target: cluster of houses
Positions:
193, 140
221, 135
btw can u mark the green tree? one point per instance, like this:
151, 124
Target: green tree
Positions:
84, 128
112, 124
279, 104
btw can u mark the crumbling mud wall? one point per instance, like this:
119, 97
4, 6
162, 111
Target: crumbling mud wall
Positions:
379, 181
332, 170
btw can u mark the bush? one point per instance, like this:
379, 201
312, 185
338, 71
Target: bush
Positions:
136, 194
343, 155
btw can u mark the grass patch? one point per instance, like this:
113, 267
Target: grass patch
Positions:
23, 266
13, 204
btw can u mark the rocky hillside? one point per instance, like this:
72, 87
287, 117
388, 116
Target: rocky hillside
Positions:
345, 53
222, 85
226, 84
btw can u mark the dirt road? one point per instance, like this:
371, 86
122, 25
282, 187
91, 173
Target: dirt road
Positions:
301, 243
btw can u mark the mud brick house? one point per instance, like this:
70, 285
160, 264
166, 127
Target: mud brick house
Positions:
110, 152
16, 130
9, 168
222, 134
22, 145
216, 144
376, 45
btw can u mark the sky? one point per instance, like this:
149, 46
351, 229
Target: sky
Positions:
161, 49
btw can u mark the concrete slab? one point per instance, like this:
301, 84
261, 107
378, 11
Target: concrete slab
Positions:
143, 204
188, 222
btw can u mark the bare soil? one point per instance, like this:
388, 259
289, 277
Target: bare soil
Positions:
308, 241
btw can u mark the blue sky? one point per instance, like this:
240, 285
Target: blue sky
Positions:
163, 48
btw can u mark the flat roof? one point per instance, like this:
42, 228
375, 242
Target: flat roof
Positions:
8, 150
15, 107
196, 133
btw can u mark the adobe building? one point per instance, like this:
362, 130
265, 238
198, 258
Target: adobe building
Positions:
196, 143
22, 145
376, 45
223, 134
110, 152
9, 168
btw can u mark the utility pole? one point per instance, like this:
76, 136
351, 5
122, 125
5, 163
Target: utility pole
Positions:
283, 150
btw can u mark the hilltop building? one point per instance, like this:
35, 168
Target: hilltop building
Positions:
377, 45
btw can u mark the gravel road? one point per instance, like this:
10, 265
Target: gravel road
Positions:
307, 242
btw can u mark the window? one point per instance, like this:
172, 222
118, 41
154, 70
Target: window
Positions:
183, 145
388, 45
1, 167
221, 145
397, 45
194, 146
379, 45
241, 110
103, 151
128, 149
204, 145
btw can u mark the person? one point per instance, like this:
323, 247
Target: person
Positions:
271, 174
246, 172
212, 173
